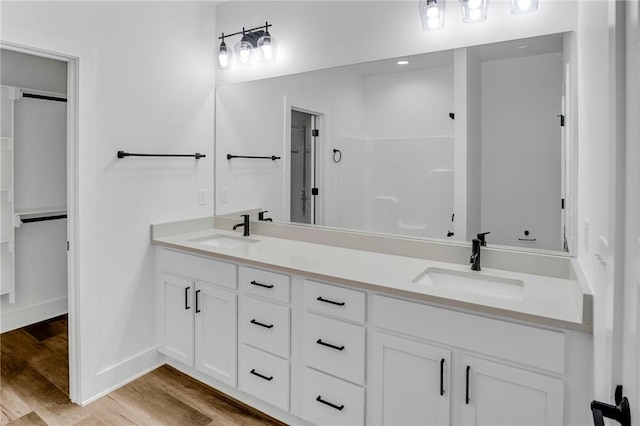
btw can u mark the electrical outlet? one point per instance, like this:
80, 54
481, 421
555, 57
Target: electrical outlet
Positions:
586, 236
202, 197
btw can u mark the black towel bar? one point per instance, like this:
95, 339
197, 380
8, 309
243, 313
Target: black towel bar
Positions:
272, 158
197, 155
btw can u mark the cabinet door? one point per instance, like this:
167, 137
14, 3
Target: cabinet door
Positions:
496, 394
215, 339
175, 316
411, 382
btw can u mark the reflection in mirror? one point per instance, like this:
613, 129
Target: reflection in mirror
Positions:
445, 146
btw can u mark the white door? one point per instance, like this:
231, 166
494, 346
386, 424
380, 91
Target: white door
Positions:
176, 304
215, 333
411, 382
496, 394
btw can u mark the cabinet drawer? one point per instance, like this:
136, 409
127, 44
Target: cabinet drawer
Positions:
339, 301
264, 376
334, 346
199, 268
266, 284
265, 325
503, 339
331, 401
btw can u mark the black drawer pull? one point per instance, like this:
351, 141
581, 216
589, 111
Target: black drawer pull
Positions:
321, 299
467, 393
197, 302
253, 321
262, 285
255, 373
186, 298
442, 377
329, 345
319, 399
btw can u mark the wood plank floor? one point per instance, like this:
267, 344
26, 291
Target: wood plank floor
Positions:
34, 390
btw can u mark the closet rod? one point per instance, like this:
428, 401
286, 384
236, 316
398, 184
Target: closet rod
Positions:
272, 158
43, 218
43, 97
197, 155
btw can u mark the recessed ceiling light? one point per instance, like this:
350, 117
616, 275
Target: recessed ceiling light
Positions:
403, 62
523, 46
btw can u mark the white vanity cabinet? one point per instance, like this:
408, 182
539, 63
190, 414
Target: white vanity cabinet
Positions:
411, 382
431, 363
264, 369
334, 354
196, 308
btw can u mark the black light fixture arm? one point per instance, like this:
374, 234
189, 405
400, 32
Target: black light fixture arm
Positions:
244, 31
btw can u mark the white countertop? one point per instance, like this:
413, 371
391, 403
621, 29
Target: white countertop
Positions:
546, 300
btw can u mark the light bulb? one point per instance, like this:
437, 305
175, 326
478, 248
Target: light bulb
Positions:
244, 55
267, 52
433, 23
433, 12
474, 4
223, 59
524, 5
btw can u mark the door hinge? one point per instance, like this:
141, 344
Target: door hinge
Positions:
315, 133
561, 119
67, 245
562, 204
314, 191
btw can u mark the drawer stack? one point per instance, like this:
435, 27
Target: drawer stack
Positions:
333, 354
265, 335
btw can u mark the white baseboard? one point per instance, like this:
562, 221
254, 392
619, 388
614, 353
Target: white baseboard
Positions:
32, 314
118, 375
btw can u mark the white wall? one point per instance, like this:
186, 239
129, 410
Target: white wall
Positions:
145, 85
521, 99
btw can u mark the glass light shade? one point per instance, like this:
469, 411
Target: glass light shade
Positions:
244, 52
224, 56
523, 6
474, 10
267, 48
432, 14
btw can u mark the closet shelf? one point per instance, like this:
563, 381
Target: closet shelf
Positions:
39, 215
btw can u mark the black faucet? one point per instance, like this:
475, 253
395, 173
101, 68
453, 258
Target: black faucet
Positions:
476, 243
244, 224
262, 218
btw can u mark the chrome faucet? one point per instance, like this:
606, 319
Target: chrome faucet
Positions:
244, 224
476, 243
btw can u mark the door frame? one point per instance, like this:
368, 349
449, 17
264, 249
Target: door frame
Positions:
322, 124
73, 71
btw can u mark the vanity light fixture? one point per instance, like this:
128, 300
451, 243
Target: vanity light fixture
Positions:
432, 14
252, 39
523, 6
474, 11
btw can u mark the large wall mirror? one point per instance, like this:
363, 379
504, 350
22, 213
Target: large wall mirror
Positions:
442, 145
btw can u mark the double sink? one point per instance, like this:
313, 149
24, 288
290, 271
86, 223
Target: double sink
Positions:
480, 283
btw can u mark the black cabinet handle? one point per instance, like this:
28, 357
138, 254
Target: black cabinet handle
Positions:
253, 321
467, 392
262, 285
329, 345
197, 304
321, 299
255, 373
186, 298
442, 377
339, 408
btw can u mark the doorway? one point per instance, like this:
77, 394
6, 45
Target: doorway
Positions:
304, 190
42, 216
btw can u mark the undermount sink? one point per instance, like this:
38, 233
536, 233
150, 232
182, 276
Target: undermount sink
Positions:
224, 241
473, 282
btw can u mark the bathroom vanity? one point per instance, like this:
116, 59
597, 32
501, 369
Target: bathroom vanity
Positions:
321, 334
